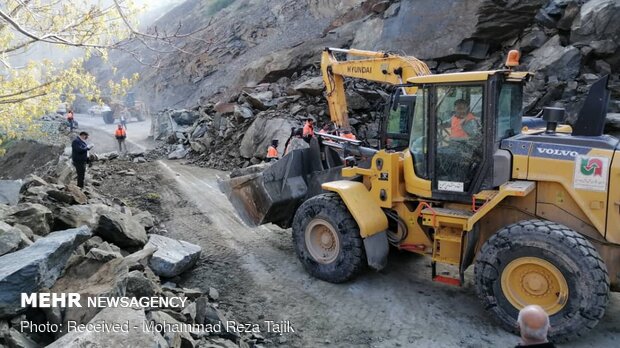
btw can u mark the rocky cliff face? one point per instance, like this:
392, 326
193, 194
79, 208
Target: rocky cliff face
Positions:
251, 42
568, 43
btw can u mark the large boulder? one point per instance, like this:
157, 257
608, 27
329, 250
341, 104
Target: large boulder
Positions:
597, 20
553, 59
33, 181
258, 137
69, 194
37, 266
79, 215
91, 278
121, 229
162, 125
10, 238
313, 86
9, 191
138, 285
136, 335
184, 117
260, 100
33, 215
172, 257
420, 27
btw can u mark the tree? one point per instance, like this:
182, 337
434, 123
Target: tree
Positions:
92, 27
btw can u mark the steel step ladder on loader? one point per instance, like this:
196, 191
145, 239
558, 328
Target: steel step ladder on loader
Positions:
452, 225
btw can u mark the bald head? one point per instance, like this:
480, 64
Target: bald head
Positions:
533, 324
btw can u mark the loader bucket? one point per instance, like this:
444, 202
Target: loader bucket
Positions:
273, 195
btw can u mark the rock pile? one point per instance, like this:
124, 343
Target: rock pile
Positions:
56, 238
237, 133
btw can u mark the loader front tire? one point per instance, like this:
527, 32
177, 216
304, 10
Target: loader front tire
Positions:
327, 239
548, 264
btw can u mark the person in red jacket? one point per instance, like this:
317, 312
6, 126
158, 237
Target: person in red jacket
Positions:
121, 134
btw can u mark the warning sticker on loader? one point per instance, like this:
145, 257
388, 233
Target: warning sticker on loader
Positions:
591, 173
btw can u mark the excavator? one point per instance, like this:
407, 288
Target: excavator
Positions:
536, 213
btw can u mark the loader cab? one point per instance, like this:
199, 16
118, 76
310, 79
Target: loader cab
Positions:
457, 123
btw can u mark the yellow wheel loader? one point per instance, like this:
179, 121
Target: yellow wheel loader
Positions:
536, 213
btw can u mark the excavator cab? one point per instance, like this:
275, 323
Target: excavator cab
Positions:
396, 123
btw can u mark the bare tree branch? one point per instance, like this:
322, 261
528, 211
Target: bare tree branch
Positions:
28, 90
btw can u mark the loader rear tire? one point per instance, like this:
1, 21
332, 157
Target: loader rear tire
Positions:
545, 263
327, 239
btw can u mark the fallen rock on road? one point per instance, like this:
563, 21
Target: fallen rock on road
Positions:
172, 257
121, 229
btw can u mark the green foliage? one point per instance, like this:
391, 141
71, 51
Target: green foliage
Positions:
30, 90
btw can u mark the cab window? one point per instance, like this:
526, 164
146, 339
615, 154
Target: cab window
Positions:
509, 110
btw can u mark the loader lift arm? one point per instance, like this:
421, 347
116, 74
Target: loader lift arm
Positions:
380, 67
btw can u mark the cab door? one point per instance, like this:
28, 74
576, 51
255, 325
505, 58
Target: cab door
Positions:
457, 140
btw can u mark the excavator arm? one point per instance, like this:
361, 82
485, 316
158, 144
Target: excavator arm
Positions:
373, 66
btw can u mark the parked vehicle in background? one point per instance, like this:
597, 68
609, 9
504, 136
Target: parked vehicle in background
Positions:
130, 107
97, 110
62, 108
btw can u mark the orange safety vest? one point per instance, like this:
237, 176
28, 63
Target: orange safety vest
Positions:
349, 136
272, 152
308, 130
120, 132
456, 127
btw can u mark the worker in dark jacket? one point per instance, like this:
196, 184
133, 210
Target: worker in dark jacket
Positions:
79, 156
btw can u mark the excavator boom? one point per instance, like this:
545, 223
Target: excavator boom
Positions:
373, 66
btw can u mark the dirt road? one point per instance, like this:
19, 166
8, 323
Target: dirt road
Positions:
259, 279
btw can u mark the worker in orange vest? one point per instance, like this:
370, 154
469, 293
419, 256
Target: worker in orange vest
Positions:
272, 151
461, 118
347, 134
309, 129
121, 135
